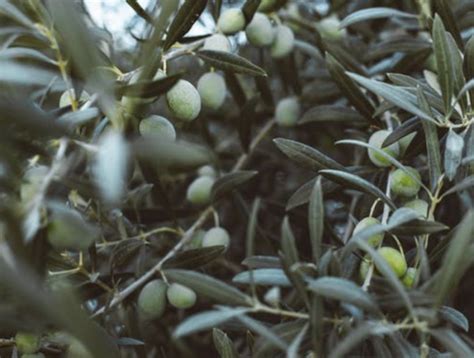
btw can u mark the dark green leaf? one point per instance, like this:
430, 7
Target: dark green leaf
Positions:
306, 156
194, 258
209, 287
250, 8
229, 62
316, 219
357, 183
332, 114
408, 127
229, 182
355, 96
148, 89
444, 9
452, 342
419, 227
340, 289
187, 15
455, 317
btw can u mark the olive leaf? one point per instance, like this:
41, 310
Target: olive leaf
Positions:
374, 13
229, 62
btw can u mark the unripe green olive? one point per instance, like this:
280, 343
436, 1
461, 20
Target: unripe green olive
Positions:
217, 42
266, 5
78, 350
288, 111
260, 31
365, 223
152, 300
27, 342
66, 96
181, 296
231, 21
419, 206
184, 101
376, 140
33, 355
207, 171
283, 43
395, 260
67, 229
199, 192
329, 28
216, 236
32, 181
212, 89
157, 127
403, 184
409, 278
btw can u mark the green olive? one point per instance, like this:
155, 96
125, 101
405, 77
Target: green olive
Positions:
376, 140
157, 127
217, 42
395, 260
403, 184
212, 89
199, 192
181, 296
365, 223
184, 101
231, 21
287, 112
419, 206
409, 278
329, 28
283, 43
66, 96
67, 229
260, 31
207, 171
152, 300
27, 342
216, 236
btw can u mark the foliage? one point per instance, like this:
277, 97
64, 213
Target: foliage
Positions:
228, 228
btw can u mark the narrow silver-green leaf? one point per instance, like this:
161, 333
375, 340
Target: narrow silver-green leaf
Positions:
316, 219
223, 344
263, 277
229, 62
374, 13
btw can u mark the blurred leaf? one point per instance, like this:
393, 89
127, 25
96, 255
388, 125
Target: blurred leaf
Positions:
455, 317
263, 330
263, 277
455, 260
188, 14
305, 155
245, 122
13, 72
264, 90
27, 53
229, 62
469, 63
148, 89
419, 227
139, 10
316, 219
249, 9
78, 118
210, 287
165, 154
374, 13
359, 334
453, 154
262, 262
231, 181
194, 258
332, 114
223, 344
452, 342
355, 96
357, 183
8, 9
466, 183
295, 345
235, 88
340, 289
206, 320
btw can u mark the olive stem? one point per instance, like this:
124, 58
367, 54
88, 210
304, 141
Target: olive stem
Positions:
187, 236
